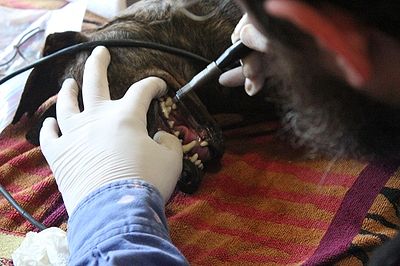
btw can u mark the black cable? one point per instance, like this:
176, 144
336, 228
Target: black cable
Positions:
109, 43
18, 207
82, 47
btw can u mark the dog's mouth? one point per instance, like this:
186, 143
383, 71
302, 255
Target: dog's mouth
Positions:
181, 123
201, 138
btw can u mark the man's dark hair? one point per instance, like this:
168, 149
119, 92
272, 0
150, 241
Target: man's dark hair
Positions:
381, 14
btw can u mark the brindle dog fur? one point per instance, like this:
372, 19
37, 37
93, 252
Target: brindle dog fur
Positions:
154, 21
317, 110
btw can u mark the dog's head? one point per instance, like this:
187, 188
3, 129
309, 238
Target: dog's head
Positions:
154, 21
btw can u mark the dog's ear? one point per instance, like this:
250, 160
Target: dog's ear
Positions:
43, 82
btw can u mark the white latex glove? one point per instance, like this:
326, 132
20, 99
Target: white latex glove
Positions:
108, 141
252, 73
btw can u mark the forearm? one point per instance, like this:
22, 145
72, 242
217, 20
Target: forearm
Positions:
122, 223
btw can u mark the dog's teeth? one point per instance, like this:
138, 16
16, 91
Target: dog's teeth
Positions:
204, 144
177, 133
194, 158
174, 106
197, 163
186, 148
171, 123
166, 112
169, 102
201, 166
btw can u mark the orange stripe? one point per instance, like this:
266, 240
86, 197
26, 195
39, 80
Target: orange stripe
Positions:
32, 166
246, 175
298, 234
376, 227
275, 217
394, 181
296, 250
254, 206
304, 173
202, 242
197, 255
366, 241
231, 187
14, 179
382, 206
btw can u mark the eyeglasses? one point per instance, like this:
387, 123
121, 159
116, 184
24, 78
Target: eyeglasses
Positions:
25, 48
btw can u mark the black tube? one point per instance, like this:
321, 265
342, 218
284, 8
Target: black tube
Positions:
235, 52
18, 207
109, 43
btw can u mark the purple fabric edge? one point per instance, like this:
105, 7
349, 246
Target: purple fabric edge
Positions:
348, 219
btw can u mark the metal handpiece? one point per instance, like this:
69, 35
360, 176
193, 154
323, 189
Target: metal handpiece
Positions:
235, 52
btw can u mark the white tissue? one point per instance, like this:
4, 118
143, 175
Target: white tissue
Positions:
48, 247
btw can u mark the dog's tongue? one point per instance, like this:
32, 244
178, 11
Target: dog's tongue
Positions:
334, 29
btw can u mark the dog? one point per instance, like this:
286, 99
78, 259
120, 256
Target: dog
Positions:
159, 22
336, 120
317, 110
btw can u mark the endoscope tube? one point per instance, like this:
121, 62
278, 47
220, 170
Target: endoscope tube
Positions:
18, 207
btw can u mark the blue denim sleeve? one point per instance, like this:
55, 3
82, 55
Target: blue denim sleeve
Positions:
122, 223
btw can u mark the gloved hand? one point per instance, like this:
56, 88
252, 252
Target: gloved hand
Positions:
108, 141
251, 74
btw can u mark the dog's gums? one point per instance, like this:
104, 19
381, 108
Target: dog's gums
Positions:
181, 124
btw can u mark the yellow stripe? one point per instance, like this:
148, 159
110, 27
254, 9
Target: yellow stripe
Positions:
297, 235
383, 207
244, 172
340, 167
376, 227
394, 181
364, 241
209, 240
22, 179
9, 243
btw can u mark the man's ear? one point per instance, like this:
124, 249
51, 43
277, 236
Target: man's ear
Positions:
335, 30
44, 80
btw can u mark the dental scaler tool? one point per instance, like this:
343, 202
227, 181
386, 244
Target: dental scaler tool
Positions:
235, 52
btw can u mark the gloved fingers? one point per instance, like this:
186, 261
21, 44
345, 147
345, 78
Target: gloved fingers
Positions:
232, 78
169, 141
95, 83
253, 86
254, 72
236, 32
253, 38
140, 94
67, 102
48, 133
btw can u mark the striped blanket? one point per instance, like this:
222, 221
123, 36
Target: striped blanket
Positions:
267, 204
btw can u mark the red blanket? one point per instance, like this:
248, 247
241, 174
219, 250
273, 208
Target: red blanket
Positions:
265, 205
